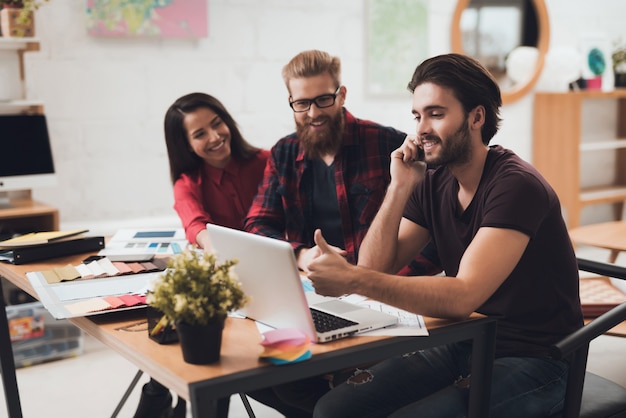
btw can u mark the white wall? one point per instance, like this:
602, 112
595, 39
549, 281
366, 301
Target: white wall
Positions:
105, 98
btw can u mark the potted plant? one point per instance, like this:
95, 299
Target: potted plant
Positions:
619, 64
196, 293
17, 17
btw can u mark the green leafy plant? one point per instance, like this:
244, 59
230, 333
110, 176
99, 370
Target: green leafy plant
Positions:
26, 10
619, 57
196, 289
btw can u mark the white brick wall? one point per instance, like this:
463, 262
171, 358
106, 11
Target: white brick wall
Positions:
105, 98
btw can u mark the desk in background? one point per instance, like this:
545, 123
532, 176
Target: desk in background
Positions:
609, 236
240, 369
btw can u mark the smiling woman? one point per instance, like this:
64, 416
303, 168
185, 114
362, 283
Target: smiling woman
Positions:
489, 30
214, 170
215, 173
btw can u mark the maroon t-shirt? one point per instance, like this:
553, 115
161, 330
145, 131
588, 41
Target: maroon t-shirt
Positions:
538, 303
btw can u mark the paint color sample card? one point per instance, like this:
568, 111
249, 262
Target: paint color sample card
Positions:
143, 244
145, 235
85, 297
95, 287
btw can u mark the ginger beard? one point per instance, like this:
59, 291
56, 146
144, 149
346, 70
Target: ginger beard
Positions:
325, 140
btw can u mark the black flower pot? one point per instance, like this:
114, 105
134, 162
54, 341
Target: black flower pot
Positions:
161, 334
201, 344
620, 79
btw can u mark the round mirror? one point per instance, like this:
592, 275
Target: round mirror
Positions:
509, 37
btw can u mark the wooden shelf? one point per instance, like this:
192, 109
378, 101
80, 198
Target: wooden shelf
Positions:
24, 214
26, 44
27, 215
598, 195
557, 147
603, 145
21, 106
592, 94
21, 46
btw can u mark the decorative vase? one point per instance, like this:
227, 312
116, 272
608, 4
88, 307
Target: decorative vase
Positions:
620, 79
201, 344
594, 83
11, 26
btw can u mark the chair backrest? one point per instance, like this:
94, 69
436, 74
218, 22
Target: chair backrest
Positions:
575, 347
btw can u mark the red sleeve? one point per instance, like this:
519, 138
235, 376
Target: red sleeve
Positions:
188, 205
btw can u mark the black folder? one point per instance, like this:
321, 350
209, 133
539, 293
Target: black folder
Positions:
54, 249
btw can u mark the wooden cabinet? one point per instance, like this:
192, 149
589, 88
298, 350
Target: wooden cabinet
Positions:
28, 215
557, 149
23, 214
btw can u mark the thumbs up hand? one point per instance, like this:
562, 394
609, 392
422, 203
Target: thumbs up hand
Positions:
307, 255
329, 271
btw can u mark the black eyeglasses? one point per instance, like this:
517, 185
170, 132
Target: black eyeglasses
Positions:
325, 100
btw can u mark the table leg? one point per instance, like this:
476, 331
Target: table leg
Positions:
483, 350
7, 364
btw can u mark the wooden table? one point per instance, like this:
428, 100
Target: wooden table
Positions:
239, 369
607, 235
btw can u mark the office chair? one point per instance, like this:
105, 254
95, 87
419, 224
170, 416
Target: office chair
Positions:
589, 395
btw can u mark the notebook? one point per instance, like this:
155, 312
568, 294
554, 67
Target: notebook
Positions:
270, 277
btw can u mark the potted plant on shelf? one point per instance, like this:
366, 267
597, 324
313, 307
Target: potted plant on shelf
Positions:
619, 64
196, 293
17, 17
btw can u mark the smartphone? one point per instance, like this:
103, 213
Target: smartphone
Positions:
420, 153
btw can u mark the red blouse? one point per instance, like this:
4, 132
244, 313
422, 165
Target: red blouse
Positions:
218, 196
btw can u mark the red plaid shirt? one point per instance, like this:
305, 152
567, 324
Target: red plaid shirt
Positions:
282, 208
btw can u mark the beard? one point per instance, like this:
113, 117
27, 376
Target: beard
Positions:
326, 141
455, 149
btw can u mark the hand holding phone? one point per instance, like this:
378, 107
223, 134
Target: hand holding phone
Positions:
413, 149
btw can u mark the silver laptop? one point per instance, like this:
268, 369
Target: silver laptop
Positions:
270, 278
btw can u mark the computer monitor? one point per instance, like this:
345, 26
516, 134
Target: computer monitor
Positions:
26, 160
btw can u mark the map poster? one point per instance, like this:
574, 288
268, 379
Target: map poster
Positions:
153, 18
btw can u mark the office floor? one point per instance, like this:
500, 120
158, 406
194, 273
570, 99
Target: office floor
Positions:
92, 383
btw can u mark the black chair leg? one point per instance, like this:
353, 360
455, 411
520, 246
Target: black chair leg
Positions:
132, 385
246, 404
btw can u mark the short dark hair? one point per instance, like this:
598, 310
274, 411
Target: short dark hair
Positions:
181, 157
470, 82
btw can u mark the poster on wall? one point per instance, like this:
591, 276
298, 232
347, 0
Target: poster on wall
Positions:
397, 41
152, 18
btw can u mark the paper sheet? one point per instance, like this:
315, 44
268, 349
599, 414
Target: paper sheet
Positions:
409, 324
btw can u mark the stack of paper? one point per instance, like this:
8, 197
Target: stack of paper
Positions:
283, 346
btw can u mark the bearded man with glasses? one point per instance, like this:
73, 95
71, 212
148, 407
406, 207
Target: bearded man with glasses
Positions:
331, 174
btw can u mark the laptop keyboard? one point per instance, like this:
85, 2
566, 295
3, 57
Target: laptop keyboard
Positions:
325, 322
